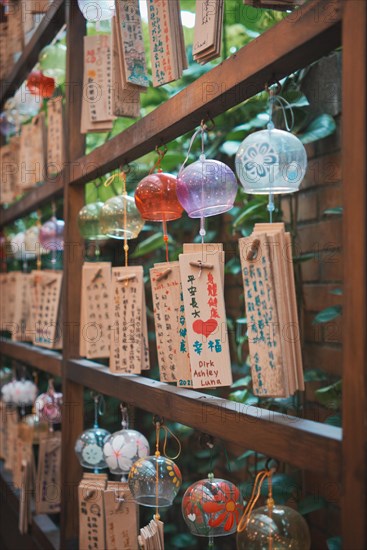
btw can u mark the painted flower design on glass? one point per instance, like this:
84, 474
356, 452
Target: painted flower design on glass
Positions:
225, 508
258, 160
118, 455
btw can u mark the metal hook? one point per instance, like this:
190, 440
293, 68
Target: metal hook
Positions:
273, 468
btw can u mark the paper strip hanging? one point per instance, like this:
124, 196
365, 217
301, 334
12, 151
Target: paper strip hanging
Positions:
152, 536
168, 53
130, 33
95, 323
49, 474
208, 30
128, 350
170, 324
121, 514
206, 320
91, 512
271, 311
125, 97
55, 136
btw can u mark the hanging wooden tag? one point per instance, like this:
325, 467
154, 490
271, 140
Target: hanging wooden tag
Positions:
8, 296
7, 191
2, 428
96, 315
125, 96
55, 136
15, 160
122, 515
48, 329
25, 517
91, 512
207, 250
49, 474
15, 27
145, 365
32, 152
24, 451
206, 321
22, 307
170, 324
132, 43
126, 312
11, 439
208, 30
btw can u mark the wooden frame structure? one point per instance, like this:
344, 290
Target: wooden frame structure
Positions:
310, 32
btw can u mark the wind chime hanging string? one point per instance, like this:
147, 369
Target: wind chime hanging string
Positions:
122, 175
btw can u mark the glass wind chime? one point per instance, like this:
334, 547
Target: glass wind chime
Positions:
48, 405
206, 187
272, 161
156, 197
89, 445
89, 223
273, 526
51, 236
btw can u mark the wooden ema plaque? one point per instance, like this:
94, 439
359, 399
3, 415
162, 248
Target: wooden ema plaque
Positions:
8, 298
95, 320
45, 305
271, 311
55, 136
22, 328
129, 347
32, 152
208, 30
170, 324
122, 517
206, 320
49, 474
92, 535
6, 165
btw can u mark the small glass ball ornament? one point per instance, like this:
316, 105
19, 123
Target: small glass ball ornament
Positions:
32, 242
89, 445
40, 85
212, 507
124, 447
156, 198
17, 246
20, 393
52, 234
120, 219
89, 222
206, 188
48, 405
276, 527
52, 61
271, 161
97, 10
155, 481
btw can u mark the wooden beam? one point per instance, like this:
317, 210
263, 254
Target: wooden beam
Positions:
303, 37
35, 198
73, 408
45, 32
39, 358
354, 499
305, 444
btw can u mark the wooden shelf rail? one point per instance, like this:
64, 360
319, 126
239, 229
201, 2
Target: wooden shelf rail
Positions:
303, 443
40, 358
312, 31
50, 25
43, 532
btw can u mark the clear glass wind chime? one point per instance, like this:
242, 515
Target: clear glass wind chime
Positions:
272, 161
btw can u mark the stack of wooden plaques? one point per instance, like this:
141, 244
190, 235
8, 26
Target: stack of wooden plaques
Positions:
208, 30
167, 41
271, 309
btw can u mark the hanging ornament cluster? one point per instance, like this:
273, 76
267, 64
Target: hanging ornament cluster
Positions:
49, 405
40, 85
272, 161
271, 526
156, 197
89, 445
124, 447
20, 393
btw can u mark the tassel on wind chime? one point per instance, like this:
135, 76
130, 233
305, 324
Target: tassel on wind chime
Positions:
271, 162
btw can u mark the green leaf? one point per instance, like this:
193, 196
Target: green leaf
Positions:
230, 148
334, 543
241, 382
314, 375
243, 396
330, 396
334, 420
311, 503
334, 211
233, 267
337, 291
248, 213
320, 127
327, 315
304, 257
183, 540
152, 243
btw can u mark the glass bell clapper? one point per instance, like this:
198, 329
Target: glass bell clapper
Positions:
120, 219
206, 187
154, 481
272, 161
271, 527
89, 445
89, 223
124, 447
156, 197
